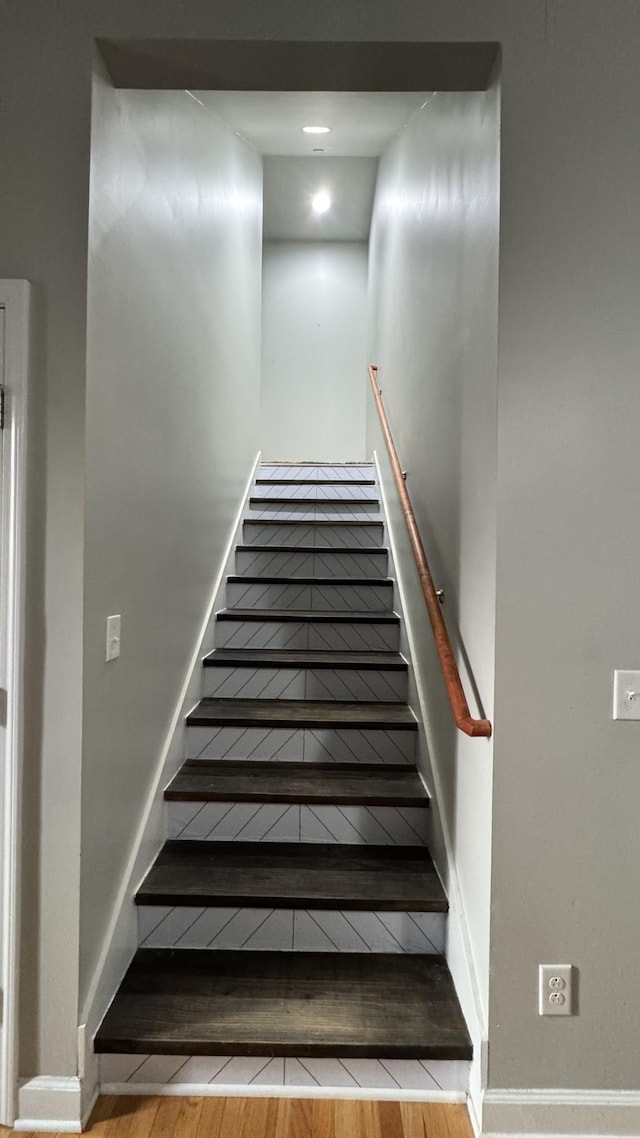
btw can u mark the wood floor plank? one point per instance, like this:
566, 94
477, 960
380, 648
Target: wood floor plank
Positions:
310, 616
294, 875
214, 1002
333, 784
299, 713
342, 661
107, 1108
174, 1117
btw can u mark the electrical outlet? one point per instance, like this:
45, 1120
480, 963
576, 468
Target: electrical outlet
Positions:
554, 990
113, 637
626, 695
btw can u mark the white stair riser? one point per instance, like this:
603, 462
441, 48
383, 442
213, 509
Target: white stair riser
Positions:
293, 744
298, 636
304, 683
195, 1071
321, 564
296, 822
314, 512
338, 598
313, 472
316, 493
335, 537
289, 930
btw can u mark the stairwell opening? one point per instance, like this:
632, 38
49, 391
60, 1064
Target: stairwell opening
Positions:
207, 262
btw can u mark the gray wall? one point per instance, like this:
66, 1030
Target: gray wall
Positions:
173, 379
566, 779
433, 335
314, 350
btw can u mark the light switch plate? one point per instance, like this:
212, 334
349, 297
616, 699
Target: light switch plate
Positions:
626, 695
113, 637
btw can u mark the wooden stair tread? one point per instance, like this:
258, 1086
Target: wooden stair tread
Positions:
294, 875
297, 713
315, 482
367, 550
262, 657
329, 784
280, 579
315, 522
211, 1002
317, 616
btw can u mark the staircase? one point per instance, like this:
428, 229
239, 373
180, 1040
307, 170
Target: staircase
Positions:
294, 916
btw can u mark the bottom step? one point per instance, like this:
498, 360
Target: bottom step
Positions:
352, 1005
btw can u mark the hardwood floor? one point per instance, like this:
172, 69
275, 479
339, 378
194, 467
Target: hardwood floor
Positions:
173, 1117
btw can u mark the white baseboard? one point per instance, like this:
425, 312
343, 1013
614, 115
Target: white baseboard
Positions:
547, 1112
51, 1104
121, 939
221, 1090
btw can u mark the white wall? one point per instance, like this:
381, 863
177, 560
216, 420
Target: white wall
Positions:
172, 420
314, 350
433, 291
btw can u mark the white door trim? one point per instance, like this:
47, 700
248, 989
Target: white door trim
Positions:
15, 300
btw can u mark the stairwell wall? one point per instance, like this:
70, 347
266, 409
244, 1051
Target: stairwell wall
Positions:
173, 379
433, 334
314, 350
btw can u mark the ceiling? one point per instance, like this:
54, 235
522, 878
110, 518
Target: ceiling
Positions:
296, 165
290, 183
362, 124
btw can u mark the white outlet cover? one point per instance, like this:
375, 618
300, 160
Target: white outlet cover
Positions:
626, 695
555, 996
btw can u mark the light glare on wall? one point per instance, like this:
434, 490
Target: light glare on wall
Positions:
321, 202
316, 129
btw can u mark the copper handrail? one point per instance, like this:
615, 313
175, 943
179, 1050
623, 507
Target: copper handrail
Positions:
463, 718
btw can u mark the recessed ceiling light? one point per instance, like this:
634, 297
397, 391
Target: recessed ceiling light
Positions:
316, 129
321, 202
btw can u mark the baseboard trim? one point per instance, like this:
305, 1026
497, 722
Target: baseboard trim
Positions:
121, 938
545, 1112
48, 1103
221, 1090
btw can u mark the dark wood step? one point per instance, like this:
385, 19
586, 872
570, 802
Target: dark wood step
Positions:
315, 482
342, 1005
321, 784
294, 875
368, 550
341, 661
313, 616
315, 522
271, 500
359, 582
299, 713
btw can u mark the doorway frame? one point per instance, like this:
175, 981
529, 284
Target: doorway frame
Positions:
15, 299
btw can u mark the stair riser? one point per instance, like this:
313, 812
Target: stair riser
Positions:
318, 745
304, 683
336, 537
315, 493
191, 1073
314, 512
286, 822
288, 930
313, 472
306, 635
326, 564
338, 598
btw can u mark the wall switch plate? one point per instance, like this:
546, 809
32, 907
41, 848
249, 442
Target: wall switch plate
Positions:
626, 695
554, 990
113, 637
